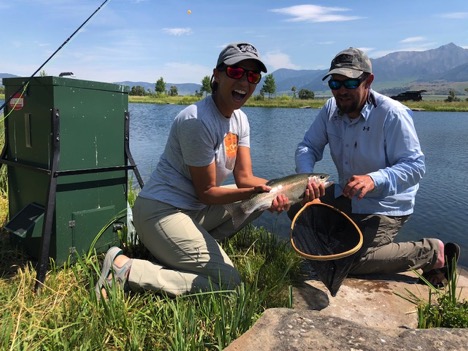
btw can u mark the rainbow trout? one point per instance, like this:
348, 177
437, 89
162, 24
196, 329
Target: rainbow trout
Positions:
293, 186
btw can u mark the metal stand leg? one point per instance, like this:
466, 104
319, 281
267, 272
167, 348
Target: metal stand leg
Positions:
128, 154
51, 200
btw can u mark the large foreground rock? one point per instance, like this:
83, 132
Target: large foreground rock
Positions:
366, 314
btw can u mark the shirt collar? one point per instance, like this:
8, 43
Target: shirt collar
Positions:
369, 106
365, 111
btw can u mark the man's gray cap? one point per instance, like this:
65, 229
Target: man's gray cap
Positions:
350, 63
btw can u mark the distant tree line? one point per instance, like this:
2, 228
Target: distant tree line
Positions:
452, 97
159, 89
268, 88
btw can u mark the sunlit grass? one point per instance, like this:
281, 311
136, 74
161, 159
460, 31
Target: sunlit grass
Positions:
443, 308
65, 314
288, 102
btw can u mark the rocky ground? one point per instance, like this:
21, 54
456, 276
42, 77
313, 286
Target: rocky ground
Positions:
366, 314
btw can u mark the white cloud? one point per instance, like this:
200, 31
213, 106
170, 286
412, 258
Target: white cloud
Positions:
412, 40
177, 31
416, 43
366, 50
422, 47
315, 13
326, 42
278, 60
455, 15
380, 53
410, 44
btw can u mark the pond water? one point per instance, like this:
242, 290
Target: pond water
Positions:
441, 203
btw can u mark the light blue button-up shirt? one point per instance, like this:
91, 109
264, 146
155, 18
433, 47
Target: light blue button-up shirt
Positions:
381, 143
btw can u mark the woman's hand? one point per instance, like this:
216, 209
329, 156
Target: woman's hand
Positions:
262, 188
280, 203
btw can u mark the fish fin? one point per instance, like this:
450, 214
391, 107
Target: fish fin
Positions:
237, 213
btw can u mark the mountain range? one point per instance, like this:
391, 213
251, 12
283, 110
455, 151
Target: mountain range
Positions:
436, 71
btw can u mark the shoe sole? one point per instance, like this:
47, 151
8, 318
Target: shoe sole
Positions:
111, 254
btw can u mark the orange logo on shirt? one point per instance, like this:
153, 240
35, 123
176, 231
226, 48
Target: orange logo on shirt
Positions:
230, 145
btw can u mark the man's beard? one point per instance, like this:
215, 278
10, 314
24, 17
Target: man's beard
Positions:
351, 107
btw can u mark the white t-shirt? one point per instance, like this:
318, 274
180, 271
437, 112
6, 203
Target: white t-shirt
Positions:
199, 135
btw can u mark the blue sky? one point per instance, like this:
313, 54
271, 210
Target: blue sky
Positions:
179, 40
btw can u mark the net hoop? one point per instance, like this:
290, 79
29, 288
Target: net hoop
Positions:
325, 257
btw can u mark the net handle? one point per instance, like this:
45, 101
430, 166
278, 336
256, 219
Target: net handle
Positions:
325, 257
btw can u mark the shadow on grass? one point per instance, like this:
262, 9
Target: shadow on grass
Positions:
12, 257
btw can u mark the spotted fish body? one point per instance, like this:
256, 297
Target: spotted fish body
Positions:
293, 186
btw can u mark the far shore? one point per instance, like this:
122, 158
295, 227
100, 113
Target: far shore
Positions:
288, 102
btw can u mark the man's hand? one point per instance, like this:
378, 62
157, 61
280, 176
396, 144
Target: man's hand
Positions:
358, 185
313, 192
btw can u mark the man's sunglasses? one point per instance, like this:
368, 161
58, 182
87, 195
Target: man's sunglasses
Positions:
238, 72
352, 83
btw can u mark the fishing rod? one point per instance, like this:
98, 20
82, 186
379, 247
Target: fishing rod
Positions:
51, 56
42, 264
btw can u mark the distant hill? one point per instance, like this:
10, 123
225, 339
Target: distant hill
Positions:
435, 70
457, 74
420, 65
182, 89
7, 75
285, 79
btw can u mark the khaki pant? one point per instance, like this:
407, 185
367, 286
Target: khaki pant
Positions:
379, 252
188, 257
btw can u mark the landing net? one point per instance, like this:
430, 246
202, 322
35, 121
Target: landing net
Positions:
329, 239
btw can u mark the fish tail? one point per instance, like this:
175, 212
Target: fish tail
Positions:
237, 213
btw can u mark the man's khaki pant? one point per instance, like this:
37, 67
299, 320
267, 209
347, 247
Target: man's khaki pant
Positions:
379, 252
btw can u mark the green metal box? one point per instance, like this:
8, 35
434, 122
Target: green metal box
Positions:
66, 137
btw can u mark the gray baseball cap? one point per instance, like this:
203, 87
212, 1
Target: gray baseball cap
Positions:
237, 52
351, 63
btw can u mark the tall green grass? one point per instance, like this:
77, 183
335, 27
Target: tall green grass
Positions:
66, 315
443, 308
284, 101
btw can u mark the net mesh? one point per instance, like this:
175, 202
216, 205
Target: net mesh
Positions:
329, 239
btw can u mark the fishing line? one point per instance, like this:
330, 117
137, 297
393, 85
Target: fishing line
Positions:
22, 87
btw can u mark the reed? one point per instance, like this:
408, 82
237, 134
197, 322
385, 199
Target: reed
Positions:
66, 315
443, 308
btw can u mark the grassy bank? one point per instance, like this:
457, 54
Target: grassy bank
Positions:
288, 102
65, 314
